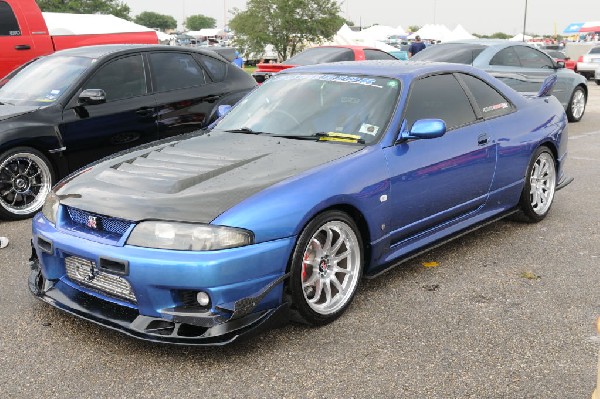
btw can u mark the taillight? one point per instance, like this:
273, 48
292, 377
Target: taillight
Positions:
580, 59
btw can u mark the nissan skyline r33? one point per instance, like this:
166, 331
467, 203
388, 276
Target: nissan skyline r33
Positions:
322, 176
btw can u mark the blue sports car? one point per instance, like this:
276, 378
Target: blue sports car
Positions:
323, 175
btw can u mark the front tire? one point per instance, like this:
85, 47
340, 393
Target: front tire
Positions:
26, 177
326, 267
576, 107
540, 185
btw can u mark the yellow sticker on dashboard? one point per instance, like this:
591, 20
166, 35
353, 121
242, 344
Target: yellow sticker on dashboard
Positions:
340, 137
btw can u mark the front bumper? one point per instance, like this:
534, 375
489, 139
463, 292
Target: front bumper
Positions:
128, 321
245, 286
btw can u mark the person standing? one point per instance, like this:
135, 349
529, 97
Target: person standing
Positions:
415, 46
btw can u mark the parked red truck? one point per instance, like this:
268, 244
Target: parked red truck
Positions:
25, 33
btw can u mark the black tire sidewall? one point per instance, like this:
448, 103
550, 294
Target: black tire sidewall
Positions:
6, 214
525, 202
306, 313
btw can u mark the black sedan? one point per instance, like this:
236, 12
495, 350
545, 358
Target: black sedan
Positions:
65, 110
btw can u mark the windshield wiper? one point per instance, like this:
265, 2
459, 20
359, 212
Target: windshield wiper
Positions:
243, 129
325, 136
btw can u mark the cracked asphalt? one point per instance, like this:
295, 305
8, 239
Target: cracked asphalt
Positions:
508, 312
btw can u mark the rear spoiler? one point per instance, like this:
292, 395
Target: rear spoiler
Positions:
546, 85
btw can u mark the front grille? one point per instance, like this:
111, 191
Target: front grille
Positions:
98, 223
84, 272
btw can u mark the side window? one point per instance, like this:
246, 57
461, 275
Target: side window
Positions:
532, 58
506, 57
378, 55
216, 69
8, 22
439, 97
490, 102
172, 71
120, 79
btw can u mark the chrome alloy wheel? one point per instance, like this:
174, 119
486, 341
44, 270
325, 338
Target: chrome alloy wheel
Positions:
542, 183
25, 180
331, 267
578, 104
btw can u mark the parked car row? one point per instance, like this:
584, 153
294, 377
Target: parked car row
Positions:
589, 63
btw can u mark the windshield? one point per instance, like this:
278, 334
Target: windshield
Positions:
457, 53
308, 105
43, 81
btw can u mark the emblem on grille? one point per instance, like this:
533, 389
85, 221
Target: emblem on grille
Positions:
92, 222
92, 273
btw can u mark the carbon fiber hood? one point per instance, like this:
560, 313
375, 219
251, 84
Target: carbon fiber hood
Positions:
195, 179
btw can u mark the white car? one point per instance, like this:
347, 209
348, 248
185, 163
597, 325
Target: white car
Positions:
597, 75
589, 63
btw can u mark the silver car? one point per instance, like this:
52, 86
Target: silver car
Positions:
589, 63
519, 65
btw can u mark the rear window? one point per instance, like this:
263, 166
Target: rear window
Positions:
457, 53
320, 55
595, 50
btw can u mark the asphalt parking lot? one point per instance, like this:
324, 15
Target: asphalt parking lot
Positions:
508, 312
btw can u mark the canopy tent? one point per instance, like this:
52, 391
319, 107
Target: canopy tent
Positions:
380, 32
582, 27
573, 28
431, 32
207, 33
61, 24
459, 33
346, 36
520, 38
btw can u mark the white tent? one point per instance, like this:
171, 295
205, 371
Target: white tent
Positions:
61, 24
206, 33
431, 32
519, 38
380, 32
459, 33
347, 37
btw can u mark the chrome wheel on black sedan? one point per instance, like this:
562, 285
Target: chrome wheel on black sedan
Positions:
327, 266
25, 180
540, 185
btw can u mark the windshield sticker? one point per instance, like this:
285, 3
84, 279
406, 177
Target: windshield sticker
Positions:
495, 107
368, 129
333, 78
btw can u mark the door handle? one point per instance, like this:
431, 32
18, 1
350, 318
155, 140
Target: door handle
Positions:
22, 47
482, 139
210, 99
144, 111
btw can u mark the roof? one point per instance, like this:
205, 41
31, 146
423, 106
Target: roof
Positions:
392, 68
108, 49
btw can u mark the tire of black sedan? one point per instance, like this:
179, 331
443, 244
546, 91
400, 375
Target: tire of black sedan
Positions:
26, 177
326, 268
576, 107
540, 185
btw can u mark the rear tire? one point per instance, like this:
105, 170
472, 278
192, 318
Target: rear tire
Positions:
326, 268
540, 185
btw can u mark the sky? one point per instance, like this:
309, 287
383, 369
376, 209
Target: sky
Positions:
476, 16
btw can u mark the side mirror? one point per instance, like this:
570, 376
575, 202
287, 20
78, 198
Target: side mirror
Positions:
222, 110
425, 129
560, 64
92, 97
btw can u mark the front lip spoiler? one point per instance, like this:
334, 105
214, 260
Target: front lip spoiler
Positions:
130, 322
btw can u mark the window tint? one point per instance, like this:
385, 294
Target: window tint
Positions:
506, 57
457, 53
439, 97
172, 71
122, 78
595, 50
216, 69
490, 102
378, 55
532, 58
8, 22
319, 55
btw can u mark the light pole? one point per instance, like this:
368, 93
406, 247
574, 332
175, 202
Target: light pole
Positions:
525, 20
434, 10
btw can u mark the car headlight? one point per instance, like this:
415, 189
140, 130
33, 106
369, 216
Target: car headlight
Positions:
50, 208
187, 236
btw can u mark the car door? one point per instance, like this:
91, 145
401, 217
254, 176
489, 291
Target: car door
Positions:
186, 93
16, 47
127, 117
437, 180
